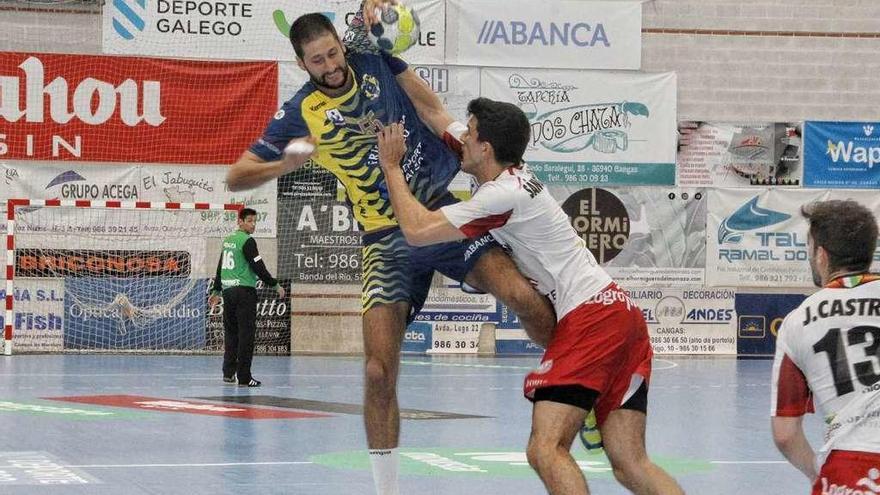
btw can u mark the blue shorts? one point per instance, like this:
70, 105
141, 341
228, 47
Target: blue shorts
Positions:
394, 271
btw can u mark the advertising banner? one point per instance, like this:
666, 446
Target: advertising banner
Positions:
155, 183
94, 321
125, 109
592, 126
758, 237
720, 154
759, 317
321, 241
689, 321
273, 322
842, 155
38, 314
249, 30
643, 236
567, 34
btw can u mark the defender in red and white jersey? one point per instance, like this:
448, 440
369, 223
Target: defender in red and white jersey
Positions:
828, 354
599, 356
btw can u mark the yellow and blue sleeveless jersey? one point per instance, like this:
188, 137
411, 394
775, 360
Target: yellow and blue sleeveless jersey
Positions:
345, 128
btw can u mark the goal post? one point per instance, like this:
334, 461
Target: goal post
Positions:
119, 276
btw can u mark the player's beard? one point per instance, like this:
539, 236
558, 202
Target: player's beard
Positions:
321, 81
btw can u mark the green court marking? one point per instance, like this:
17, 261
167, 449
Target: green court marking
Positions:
75, 413
497, 463
466, 365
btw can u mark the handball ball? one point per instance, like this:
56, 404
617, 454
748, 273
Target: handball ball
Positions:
397, 29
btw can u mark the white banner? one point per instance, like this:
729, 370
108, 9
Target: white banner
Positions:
249, 30
689, 321
162, 183
735, 155
643, 236
593, 126
758, 238
569, 34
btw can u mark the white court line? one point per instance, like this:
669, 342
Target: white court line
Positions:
216, 464
670, 363
748, 462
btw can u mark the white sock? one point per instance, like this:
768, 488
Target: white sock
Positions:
385, 463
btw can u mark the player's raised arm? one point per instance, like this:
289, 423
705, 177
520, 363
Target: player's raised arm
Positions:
251, 171
428, 105
420, 225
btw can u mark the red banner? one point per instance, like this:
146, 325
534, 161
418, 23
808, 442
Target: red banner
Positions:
134, 110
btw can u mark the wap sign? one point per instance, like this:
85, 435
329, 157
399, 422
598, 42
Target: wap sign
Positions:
570, 34
759, 238
842, 155
248, 30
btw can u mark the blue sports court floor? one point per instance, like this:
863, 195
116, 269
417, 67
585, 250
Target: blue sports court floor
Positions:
115, 424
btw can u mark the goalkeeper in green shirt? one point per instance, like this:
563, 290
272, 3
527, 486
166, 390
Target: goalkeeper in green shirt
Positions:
237, 271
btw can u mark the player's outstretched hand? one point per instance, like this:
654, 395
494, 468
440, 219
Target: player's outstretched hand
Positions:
392, 147
281, 292
371, 9
297, 153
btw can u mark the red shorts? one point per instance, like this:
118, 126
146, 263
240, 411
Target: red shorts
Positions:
602, 345
846, 471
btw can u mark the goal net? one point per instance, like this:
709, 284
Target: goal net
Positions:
110, 275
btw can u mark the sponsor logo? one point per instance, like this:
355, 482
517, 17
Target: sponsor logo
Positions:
436, 77
128, 17
201, 18
748, 217
534, 90
75, 186
280, 20
279, 114
848, 153
869, 129
752, 326
545, 367
414, 336
600, 220
335, 117
103, 264
866, 486
537, 33
604, 127
609, 297
91, 100
11, 174
370, 86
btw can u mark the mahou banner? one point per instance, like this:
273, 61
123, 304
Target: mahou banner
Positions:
124, 109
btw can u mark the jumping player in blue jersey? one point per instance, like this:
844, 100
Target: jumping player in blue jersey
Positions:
352, 94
